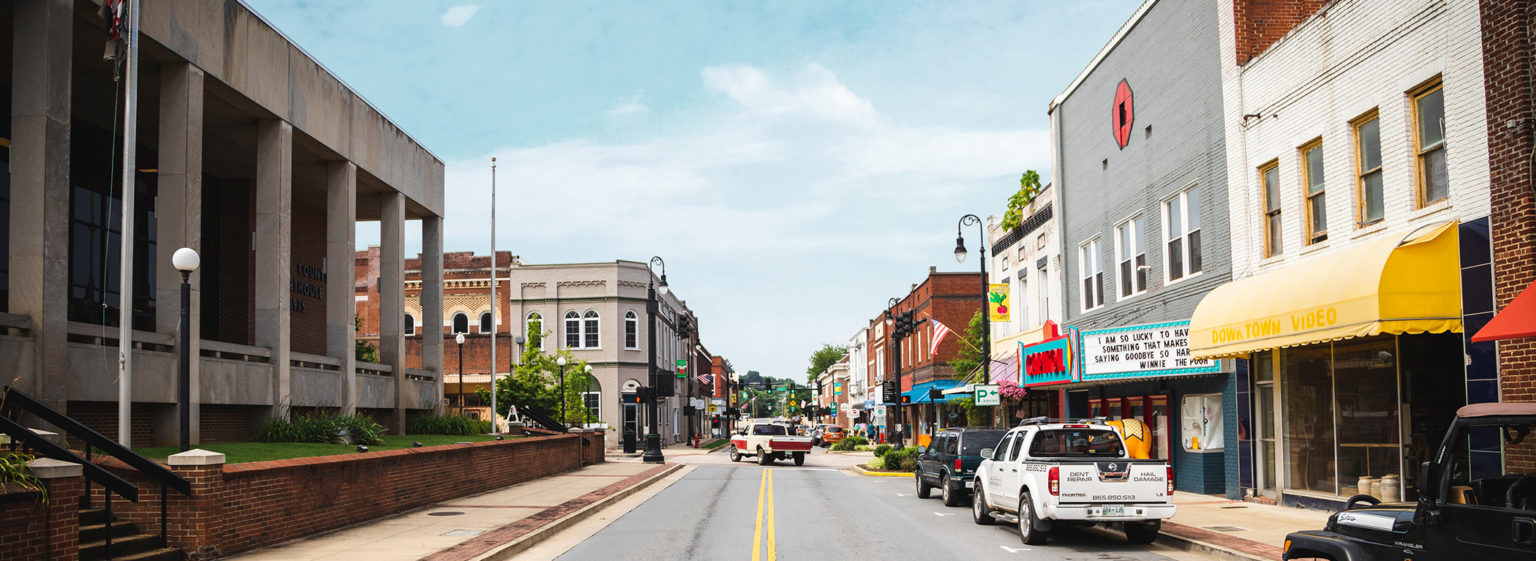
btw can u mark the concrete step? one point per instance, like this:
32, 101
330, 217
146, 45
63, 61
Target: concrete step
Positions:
98, 532
93, 516
161, 554
121, 547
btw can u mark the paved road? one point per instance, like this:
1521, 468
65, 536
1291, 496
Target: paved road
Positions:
818, 511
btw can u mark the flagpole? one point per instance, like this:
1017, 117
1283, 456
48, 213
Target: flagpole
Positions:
125, 284
495, 429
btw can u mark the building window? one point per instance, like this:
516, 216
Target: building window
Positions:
1316, 210
589, 326
1131, 257
1368, 196
1429, 144
485, 322
631, 330
535, 330
1269, 179
410, 324
460, 322
1340, 410
1005, 264
572, 330
1181, 222
594, 402
1093, 275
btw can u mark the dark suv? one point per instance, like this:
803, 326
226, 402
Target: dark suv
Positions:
1466, 509
950, 461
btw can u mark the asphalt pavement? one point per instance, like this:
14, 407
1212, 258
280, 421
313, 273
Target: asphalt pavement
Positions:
823, 512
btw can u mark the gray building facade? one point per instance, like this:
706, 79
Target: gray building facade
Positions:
1141, 180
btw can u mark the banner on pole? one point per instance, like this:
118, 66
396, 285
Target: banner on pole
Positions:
997, 302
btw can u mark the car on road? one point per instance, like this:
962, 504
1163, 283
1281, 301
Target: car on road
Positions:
833, 435
950, 462
769, 442
1046, 472
1461, 512
817, 432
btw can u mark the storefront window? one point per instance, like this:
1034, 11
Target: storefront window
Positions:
1307, 390
1365, 385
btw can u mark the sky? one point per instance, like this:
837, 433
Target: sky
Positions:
796, 163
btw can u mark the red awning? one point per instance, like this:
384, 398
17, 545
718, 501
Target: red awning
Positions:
1517, 320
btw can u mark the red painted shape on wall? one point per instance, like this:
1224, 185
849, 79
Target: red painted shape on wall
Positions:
1122, 115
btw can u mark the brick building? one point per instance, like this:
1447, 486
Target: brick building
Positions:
949, 298
248, 151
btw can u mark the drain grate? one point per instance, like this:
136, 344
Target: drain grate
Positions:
444, 513
463, 533
1225, 528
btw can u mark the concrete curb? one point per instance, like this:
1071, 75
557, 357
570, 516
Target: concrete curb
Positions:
1185, 543
867, 473
512, 548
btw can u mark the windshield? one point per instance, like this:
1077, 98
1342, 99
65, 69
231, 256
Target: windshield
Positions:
769, 430
971, 442
1068, 443
834, 429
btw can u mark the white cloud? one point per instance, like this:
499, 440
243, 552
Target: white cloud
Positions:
629, 106
457, 16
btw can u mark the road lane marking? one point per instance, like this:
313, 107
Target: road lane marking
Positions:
764, 496
943, 514
1013, 550
772, 539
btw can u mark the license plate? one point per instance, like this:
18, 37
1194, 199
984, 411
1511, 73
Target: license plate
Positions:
1112, 511
969, 484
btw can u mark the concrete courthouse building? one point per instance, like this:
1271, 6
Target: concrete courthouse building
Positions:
248, 151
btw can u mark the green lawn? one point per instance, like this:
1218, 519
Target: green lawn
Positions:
717, 444
242, 452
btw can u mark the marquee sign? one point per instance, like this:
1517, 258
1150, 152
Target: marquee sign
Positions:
1122, 115
1158, 349
1050, 362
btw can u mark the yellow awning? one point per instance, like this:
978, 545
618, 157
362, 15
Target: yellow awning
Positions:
1398, 284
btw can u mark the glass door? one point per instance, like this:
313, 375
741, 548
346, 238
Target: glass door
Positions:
1264, 402
1159, 425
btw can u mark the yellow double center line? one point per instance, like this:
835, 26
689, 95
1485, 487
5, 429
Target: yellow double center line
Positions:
764, 497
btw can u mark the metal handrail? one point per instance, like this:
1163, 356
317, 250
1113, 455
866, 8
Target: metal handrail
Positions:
91, 471
15, 398
542, 419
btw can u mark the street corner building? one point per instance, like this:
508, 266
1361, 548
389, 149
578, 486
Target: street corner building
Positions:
251, 153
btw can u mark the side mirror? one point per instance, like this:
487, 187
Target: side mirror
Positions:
1426, 513
986, 453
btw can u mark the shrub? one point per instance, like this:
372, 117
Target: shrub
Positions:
440, 424
903, 459
882, 449
14, 470
909, 462
851, 442
320, 428
877, 463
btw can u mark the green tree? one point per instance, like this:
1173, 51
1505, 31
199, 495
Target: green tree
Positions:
362, 350
968, 360
1029, 188
823, 358
535, 383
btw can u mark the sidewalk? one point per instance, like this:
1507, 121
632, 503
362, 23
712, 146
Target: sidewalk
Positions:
474, 526
1235, 529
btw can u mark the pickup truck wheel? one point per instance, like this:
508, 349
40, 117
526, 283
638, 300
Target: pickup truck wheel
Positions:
735, 454
1143, 532
1027, 522
980, 512
764, 458
923, 490
799, 458
950, 496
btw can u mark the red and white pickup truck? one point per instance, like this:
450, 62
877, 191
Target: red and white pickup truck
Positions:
769, 442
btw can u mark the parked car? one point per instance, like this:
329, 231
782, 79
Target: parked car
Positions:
817, 432
833, 435
1044, 472
769, 442
950, 462
1459, 514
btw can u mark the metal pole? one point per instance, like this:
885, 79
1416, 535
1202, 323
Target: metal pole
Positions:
495, 314
986, 316
184, 378
653, 453
562, 394
125, 269
461, 387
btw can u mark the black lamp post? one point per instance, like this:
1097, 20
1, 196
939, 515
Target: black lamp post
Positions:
561, 363
460, 340
986, 314
893, 414
684, 330
186, 261
653, 438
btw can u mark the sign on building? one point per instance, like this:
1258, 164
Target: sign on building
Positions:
988, 395
997, 302
1051, 361
1158, 349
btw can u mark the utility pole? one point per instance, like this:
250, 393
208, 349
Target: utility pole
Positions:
125, 269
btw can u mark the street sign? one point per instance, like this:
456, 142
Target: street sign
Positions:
988, 395
682, 363
889, 391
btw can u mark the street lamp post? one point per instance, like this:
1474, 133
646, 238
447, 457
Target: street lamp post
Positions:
561, 362
186, 261
460, 340
653, 438
585, 411
893, 420
986, 316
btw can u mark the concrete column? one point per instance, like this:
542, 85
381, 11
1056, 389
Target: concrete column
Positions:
39, 231
340, 251
179, 216
392, 295
432, 301
274, 231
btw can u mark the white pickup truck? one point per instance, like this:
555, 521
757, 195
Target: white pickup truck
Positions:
769, 442
1044, 471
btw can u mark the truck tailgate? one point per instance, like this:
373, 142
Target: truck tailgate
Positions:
790, 444
1114, 481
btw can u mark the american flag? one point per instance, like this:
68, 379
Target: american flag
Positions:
939, 332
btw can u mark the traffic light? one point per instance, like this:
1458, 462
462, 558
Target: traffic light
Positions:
935, 394
906, 400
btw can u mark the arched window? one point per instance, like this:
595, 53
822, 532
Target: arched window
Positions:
410, 325
631, 330
572, 330
460, 322
593, 400
485, 322
589, 330
535, 330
